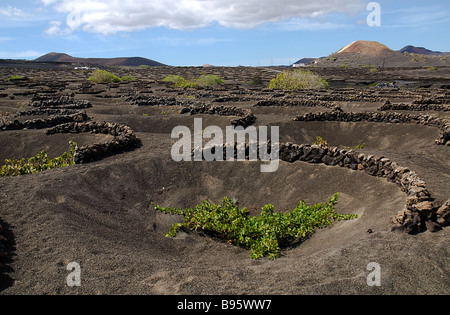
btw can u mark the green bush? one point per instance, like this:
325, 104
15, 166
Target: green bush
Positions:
15, 77
209, 80
321, 142
180, 81
38, 163
128, 78
265, 234
256, 80
103, 76
203, 81
298, 80
188, 84
175, 79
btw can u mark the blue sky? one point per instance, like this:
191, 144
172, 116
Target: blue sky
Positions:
218, 32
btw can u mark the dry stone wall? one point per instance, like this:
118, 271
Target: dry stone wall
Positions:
415, 107
124, 140
385, 117
247, 117
44, 123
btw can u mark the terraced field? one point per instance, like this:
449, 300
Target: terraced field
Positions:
387, 154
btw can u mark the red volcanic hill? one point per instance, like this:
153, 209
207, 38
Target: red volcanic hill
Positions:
366, 48
125, 61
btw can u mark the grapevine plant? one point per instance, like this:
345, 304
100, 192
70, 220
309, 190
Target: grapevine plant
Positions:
38, 163
264, 235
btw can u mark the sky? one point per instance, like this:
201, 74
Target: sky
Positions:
216, 32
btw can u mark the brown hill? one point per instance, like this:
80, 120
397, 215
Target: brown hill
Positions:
125, 61
366, 48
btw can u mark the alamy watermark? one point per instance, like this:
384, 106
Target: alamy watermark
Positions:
374, 18
222, 148
374, 277
74, 277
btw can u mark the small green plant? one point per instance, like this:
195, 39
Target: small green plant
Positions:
205, 80
360, 146
209, 80
373, 70
186, 84
298, 80
103, 76
40, 162
128, 78
256, 80
321, 142
432, 68
266, 234
175, 79
180, 82
15, 78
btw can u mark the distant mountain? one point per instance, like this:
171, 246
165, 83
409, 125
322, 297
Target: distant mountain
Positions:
305, 61
421, 51
126, 61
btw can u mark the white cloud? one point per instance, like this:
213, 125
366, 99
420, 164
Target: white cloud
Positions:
111, 16
12, 12
20, 54
56, 30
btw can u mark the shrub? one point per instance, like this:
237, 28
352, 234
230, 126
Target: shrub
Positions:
265, 234
38, 163
180, 81
321, 142
14, 78
173, 79
209, 80
187, 84
256, 80
204, 80
103, 76
128, 78
298, 80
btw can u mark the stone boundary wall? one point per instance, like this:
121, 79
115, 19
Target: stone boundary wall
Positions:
124, 139
140, 100
47, 112
62, 101
414, 107
44, 123
293, 103
247, 119
426, 120
420, 212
